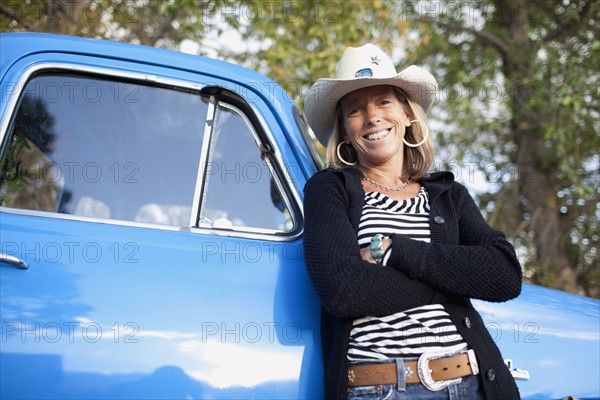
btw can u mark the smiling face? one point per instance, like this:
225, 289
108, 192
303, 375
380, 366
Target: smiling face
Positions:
374, 122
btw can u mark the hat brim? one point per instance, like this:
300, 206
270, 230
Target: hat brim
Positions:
322, 98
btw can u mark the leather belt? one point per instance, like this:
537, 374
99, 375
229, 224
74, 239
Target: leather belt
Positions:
432, 369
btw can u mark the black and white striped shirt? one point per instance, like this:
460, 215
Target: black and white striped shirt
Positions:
411, 332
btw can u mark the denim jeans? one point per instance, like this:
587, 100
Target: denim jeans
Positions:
469, 389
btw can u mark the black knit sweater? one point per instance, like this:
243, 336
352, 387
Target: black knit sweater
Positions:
465, 259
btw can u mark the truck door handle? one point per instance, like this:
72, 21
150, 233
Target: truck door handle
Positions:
12, 260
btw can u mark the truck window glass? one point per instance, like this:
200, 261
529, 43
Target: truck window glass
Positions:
240, 189
93, 147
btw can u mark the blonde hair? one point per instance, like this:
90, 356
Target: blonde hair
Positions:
417, 160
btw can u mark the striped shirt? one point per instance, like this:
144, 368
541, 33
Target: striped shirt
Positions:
412, 332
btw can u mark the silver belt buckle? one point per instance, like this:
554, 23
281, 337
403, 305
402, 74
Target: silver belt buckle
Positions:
425, 372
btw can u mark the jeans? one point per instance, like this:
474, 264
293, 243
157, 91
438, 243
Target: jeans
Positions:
469, 389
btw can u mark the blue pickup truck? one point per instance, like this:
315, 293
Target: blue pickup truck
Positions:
151, 237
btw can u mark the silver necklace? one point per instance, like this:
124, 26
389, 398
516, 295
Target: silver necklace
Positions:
388, 188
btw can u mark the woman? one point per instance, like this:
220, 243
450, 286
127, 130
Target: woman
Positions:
395, 254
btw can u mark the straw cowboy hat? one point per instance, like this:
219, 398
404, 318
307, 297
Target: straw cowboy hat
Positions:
358, 68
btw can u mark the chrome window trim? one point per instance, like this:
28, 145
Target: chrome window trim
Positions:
254, 233
202, 163
145, 225
308, 137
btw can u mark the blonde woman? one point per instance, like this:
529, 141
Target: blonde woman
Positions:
395, 253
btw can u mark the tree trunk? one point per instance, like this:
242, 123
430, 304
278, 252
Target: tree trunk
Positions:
537, 181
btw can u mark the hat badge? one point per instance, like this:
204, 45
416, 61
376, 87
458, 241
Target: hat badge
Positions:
368, 72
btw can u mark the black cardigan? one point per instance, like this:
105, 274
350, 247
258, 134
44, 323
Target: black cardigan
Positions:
465, 259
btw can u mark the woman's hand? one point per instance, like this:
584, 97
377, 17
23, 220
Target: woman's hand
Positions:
366, 255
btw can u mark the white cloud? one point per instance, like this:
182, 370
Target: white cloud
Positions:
232, 364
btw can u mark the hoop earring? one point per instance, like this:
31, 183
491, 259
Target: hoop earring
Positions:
340, 156
422, 141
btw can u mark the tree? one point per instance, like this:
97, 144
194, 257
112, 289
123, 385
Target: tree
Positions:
533, 64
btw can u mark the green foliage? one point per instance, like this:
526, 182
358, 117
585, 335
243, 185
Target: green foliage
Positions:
161, 23
304, 39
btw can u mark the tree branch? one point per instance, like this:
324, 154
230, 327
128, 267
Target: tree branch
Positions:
567, 27
485, 37
4, 10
